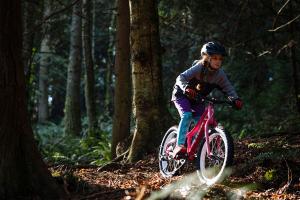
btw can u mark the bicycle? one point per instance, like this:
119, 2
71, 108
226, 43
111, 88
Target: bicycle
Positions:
206, 142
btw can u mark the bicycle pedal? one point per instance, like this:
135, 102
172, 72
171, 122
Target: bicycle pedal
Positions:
181, 155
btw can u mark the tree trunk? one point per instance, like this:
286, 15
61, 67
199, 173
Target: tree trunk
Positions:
108, 102
296, 76
43, 107
122, 98
72, 105
151, 115
23, 175
58, 100
28, 36
93, 28
89, 68
295, 71
29, 18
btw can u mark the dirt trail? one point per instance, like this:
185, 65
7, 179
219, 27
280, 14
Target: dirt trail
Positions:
264, 168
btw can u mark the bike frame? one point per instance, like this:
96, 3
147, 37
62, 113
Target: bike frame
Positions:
200, 130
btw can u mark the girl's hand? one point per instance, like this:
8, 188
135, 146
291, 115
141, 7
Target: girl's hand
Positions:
238, 104
191, 93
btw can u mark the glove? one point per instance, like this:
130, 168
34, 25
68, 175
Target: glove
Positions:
191, 93
238, 103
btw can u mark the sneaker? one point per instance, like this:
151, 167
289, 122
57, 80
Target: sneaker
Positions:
177, 150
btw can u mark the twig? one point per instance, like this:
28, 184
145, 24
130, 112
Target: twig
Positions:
141, 193
114, 160
279, 11
121, 156
284, 25
50, 16
290, 177
288, 45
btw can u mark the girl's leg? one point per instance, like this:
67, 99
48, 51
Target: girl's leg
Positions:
183, 106
198, 110
183, 127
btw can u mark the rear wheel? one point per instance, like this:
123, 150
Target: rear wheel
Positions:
169, 166
211, 168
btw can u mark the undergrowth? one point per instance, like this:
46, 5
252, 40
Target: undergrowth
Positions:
57, 148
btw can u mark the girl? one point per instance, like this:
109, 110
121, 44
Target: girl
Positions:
204, 76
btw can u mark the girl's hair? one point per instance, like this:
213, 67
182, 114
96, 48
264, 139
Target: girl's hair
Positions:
204, 60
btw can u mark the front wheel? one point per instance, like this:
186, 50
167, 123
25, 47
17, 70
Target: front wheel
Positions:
211, 168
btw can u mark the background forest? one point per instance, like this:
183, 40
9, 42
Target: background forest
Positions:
88, 82
261, 38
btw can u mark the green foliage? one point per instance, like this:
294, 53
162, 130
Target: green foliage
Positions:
256, 145
57, 148
270, 175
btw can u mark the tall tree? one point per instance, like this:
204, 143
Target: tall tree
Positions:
89, 67
109, 64
28, 35
150, 113
122, 97
295, 71
23, 175
43, 106
72, 105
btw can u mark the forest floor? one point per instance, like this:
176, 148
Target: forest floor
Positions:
264, 168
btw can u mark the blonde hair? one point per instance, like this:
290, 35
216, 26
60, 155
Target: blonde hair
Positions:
204, 60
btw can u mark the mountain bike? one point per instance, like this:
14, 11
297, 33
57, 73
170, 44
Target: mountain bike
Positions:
207, 144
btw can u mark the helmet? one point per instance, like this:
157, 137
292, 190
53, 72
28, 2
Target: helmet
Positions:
211, 48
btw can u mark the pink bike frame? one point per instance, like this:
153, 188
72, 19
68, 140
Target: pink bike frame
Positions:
201, 129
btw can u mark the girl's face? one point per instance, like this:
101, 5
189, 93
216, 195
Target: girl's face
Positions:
216, 61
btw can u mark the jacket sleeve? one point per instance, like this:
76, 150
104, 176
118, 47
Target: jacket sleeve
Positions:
226, 86
183, 79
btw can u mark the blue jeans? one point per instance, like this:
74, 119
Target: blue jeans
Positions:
187, 111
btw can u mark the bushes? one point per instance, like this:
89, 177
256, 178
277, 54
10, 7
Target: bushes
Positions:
57, 148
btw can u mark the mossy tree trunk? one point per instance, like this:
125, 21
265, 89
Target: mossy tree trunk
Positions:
72, 118
89, 68
150, 112
43, 107
122, 97
23, 175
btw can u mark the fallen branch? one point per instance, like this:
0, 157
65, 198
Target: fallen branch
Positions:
284, 25
114, 161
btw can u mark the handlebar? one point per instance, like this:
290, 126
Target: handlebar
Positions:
212, 100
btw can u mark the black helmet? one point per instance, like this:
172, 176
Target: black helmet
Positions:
211, 48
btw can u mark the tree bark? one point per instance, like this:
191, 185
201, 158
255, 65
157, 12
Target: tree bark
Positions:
151, 115
72, 118
89, 68
108, 102
43, 107
28, 36
296, 76
295, 71
122, 97
23, 175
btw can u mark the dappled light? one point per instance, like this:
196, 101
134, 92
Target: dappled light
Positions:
168, 99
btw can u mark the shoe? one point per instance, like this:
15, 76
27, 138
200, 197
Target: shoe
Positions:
177, 150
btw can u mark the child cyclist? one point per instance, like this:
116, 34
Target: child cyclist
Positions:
204, 76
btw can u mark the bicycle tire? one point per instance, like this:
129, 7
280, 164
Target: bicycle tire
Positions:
209, 174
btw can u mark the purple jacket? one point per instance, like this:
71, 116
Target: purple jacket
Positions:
204, 80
